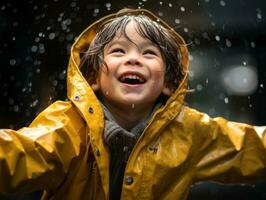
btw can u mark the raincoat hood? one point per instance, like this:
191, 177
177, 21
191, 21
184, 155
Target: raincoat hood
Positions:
78, 85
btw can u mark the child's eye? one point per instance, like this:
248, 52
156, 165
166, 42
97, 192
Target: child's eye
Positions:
149, 52
117, 50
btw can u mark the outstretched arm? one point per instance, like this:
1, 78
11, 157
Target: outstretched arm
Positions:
227, 151
38, 157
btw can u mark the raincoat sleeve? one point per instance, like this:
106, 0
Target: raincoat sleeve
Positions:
226, 151
38, 157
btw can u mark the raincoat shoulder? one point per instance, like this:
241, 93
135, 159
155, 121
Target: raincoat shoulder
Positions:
39, 156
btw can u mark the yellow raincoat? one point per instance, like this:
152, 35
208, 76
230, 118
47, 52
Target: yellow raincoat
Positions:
63, 151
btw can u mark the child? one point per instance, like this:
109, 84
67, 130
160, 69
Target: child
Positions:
127, 134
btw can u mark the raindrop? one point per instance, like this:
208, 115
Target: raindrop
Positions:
177, 21
199, 87
40, 34
160, 14
133, 106
35, 7
182, 8
228, 43
37, 39
259, 16
244, 63
217, 38
161, 3
51, 36
34, 103
186, 30
253, 44
170, 5
73, 4
55, 82
12, 62
16, 108
226, 100
261, 85
191, 75
205, 35
34, 49
41, 48
222, 3
3, 8
108, 6
62, 75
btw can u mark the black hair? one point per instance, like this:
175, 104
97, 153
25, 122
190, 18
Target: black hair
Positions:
147, 28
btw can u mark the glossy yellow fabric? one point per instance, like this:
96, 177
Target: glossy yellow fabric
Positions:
63, 151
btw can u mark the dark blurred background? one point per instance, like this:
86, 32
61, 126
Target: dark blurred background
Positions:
226, 40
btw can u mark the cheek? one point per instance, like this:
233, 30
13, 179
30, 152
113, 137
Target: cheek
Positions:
159, 77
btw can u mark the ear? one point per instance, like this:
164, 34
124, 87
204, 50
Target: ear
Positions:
167, 91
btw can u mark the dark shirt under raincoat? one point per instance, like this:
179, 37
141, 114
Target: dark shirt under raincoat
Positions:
63, 151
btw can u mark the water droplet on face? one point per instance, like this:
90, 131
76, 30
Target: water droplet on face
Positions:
133, 106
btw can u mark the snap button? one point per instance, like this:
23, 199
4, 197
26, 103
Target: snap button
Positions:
98, 152
129, 180
76, 97
91, 110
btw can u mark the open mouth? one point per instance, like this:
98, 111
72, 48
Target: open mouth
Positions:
132, 79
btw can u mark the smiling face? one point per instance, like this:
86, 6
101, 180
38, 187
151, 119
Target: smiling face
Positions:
135, 74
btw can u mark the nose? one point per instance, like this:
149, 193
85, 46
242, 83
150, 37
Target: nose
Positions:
133, 59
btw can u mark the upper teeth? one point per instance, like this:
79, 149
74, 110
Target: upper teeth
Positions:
123, 78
